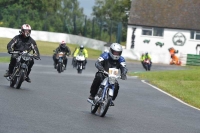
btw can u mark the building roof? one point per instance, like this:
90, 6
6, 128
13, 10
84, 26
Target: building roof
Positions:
177, 14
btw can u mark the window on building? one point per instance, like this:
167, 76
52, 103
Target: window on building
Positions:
195, 35
152, 31
147, 31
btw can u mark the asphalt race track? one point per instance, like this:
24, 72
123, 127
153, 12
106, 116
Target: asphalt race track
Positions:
57, 103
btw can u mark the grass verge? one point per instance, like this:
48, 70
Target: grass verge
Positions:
183, 84
46, 48
4, 59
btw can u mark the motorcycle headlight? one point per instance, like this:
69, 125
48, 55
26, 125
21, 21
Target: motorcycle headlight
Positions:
111, 80
25, 57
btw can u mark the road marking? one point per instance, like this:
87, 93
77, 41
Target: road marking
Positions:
170, 95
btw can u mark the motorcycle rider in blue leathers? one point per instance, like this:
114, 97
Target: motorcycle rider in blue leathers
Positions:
111, 59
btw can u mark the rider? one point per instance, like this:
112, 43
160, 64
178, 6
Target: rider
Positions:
61, 48
108, 60
148, 57
22, 42
80, 50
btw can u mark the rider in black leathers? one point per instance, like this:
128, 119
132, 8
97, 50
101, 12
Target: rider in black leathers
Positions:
62, 48
22, 42
106, 61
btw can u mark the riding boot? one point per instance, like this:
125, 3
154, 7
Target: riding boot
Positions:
27, 76
10, 71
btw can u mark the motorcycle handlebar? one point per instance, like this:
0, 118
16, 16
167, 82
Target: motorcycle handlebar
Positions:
104, 72
20, 52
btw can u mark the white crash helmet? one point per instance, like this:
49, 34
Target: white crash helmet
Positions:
26, 30
81, 47
115, 51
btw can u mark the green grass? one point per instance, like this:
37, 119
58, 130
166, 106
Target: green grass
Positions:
46, 48
4, 59
183, 84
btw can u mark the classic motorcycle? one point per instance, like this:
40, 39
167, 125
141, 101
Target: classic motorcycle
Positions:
103, 98
60, 65
147, 64
79, 62
20, 70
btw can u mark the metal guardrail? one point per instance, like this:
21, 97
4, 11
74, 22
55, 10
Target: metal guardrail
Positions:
193, 60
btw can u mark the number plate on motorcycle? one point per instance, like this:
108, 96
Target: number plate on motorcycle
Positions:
113, 71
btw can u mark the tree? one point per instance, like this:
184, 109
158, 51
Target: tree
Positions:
112, 9
47, 15
112, 12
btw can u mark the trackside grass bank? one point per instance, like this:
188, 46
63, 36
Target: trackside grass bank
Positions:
4, 59
46, 48
183, 84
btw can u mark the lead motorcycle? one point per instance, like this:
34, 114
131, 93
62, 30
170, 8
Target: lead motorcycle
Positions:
103, 98
80, 59
20, 70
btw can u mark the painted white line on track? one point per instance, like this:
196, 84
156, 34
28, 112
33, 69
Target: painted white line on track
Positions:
170, 95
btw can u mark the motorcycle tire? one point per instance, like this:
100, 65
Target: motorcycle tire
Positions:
104, 107
94, 108
79, 70
20, 78
59, 68
13, 81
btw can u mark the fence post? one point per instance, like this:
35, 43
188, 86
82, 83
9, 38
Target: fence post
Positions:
110, 31
19, 18
85, 27
75, 25
100, 29
93, 28
119, 30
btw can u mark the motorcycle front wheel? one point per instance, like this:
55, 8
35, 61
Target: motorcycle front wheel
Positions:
103, 107
59, 68
94, 108
80, 68
20, 78
13, 81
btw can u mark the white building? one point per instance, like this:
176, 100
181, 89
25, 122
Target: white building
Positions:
156, 25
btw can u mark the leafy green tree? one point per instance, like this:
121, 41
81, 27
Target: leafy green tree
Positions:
112, 12
47, 15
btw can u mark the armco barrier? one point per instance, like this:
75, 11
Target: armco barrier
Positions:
183, 59
193, 60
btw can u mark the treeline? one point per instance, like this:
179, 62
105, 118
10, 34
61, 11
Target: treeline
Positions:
66, 16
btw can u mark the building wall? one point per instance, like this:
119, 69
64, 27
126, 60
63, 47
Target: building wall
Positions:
160, 54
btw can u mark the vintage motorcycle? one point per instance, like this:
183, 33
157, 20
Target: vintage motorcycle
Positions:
147, 64
103, 98
80, 59
20, 70
60, 65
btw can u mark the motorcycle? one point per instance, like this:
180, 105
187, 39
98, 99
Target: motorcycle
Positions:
103, 98
20, 70
147, 64
60, 65
79, 63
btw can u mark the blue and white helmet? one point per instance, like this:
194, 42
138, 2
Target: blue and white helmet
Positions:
115, 51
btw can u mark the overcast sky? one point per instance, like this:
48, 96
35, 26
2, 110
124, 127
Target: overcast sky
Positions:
87, 6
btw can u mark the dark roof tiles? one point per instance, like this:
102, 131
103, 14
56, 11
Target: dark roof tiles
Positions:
181, 14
